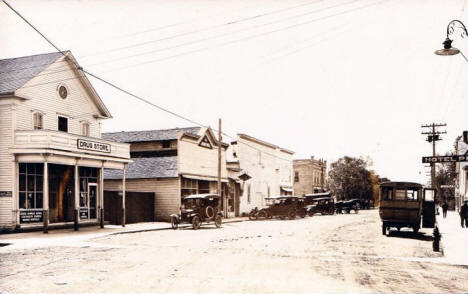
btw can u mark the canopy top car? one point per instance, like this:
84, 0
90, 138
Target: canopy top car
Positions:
199, 208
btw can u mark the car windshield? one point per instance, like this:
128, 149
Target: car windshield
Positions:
191, 203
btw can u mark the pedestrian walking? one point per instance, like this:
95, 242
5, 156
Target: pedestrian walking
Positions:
464, 214
444, 209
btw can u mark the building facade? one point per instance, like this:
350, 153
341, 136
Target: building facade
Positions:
52, 156
167, 166
260, 169
309, 176
461, 187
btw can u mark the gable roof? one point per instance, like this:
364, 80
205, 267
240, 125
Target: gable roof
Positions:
146, 168
15, 72
149, 136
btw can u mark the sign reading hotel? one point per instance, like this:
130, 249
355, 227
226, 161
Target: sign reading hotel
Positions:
442, 159
93, 146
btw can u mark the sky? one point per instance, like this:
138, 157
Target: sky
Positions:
324, 78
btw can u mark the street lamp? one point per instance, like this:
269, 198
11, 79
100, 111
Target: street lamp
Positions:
448, 49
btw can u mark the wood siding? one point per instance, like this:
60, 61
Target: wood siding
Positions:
167, 193
7, 165
43, 97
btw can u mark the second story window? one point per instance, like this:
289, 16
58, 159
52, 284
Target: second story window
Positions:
85, 129
38, 122
296, 177
62, 124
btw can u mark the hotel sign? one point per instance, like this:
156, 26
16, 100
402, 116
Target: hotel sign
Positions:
93, 146
6, 194
442, 159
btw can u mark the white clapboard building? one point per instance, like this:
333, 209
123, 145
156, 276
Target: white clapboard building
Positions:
51, 152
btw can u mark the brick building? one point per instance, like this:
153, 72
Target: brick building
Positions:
309, 176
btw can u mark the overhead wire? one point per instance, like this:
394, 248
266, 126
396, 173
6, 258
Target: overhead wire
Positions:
224, 34
230, 42
125, 91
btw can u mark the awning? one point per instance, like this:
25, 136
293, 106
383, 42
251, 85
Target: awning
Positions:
234, 179
287, 189
204, 178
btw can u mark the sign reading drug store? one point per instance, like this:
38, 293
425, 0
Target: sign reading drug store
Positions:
93, 146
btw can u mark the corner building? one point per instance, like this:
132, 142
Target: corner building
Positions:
52, 156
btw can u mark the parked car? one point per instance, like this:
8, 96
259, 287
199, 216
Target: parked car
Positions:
405, 204
280, 206
324, 205
198, 209
347, 205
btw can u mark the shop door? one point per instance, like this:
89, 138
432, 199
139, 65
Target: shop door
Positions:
88, 201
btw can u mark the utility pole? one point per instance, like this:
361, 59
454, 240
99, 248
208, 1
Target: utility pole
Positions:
433, 135
219, 170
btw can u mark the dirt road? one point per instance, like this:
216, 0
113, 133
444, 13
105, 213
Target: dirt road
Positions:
339, 254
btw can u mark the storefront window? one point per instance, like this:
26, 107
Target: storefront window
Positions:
189, 187
30, 185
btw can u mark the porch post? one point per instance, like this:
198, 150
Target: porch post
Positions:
77, 196
123, 197
45, 197
101, 194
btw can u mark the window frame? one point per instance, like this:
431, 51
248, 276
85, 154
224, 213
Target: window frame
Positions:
58, 122
35, 176
40, 114
88, 130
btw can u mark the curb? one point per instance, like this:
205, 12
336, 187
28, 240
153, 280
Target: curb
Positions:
168, 228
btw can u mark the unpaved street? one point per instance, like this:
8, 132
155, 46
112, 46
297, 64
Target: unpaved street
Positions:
340, 253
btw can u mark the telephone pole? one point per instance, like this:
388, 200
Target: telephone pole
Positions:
433, 135
219, 170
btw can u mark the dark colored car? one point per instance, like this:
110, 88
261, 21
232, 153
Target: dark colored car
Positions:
280, 206
324, 205
198, 209
347, 205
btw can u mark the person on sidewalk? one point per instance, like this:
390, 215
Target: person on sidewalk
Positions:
464, 214
444, 209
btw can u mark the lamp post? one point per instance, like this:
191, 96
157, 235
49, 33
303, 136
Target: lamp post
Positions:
448, 49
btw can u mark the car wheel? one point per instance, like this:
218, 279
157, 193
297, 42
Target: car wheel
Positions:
310, 213
218, 221
415, 229
196, 223
302, 214
262, 214
174, 223
252, 216
348, 210
291, 214
384, 229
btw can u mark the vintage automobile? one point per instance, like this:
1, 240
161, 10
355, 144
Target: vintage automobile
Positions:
347, 205
404, 204
280, 206
198, 209
323, 205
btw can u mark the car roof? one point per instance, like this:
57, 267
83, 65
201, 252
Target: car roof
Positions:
323, 198
283, 197
202, 196
317, 194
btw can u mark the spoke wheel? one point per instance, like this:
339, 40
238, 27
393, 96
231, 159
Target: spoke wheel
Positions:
291, 214
174, 223
262, 214
218, 221
196, 223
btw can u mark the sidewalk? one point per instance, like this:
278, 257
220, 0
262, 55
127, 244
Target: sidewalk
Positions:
68, 237
454, 238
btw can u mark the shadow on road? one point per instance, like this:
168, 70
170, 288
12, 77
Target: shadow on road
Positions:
410, 235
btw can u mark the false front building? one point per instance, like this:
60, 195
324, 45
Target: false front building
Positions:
51, 152
260, 169
167, 166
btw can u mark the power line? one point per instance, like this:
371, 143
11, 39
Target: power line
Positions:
232, 41
127, 92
